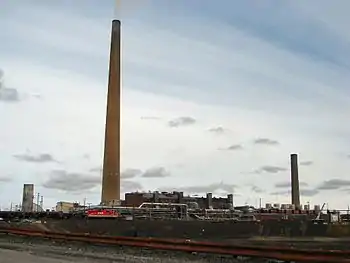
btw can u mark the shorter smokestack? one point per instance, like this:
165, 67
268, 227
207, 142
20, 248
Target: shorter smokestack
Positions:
28, 196
295, 180
230, 201
180, 196
209, 200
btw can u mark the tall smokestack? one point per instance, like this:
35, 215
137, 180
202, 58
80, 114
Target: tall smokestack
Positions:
295, 180
111, 163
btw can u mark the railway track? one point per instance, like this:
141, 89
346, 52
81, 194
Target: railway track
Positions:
277, 253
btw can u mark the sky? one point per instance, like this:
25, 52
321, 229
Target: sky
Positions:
216, 96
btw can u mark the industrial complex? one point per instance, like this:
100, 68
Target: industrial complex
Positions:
172, 214
111, 180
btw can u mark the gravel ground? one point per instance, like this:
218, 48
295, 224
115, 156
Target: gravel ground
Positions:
19, 249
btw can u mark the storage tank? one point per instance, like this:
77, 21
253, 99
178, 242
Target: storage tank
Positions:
268, 206
317, 208
306, 207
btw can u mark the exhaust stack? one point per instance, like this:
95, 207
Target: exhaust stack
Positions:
295, 180
111, 162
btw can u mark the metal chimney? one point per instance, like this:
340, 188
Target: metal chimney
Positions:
295, 180
111, 163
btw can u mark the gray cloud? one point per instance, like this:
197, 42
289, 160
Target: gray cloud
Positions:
288, 184
41, 158
271, 169
216, 188
257, 189
7, 94
130, 186
130, 173
156, 172
76, 182
285, 192
5, 179
150, 118
233, 147
182, 121
126, 174
217, 130
97, 169
308, 192
303, 192
334, 184
306, 163
265, 141
71, 182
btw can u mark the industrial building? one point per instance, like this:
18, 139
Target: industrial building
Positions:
135, 199
68, 207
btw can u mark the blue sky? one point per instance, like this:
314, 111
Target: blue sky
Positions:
228, 74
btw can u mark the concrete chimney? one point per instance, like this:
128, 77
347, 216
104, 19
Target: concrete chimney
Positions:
111, 163
27, 199
230, 201
209, 200
295, 180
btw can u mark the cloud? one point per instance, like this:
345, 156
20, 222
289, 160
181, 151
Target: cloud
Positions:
266, 141
40, 158
130, 173
125, 174
74, 183
271, 169
288, 184
333, 184
71, 182
257, 189
218, 130
7, 94
233, 147
155, 172
96, 169
5, 179
306, 163
308, 192
303, 192
182, 121
215, 188
130, 186
150, 118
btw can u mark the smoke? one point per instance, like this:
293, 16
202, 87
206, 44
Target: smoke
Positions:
123, 7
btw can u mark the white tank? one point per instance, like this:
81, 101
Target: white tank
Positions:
277, 205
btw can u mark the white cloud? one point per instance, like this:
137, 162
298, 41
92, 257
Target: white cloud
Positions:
210, 72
